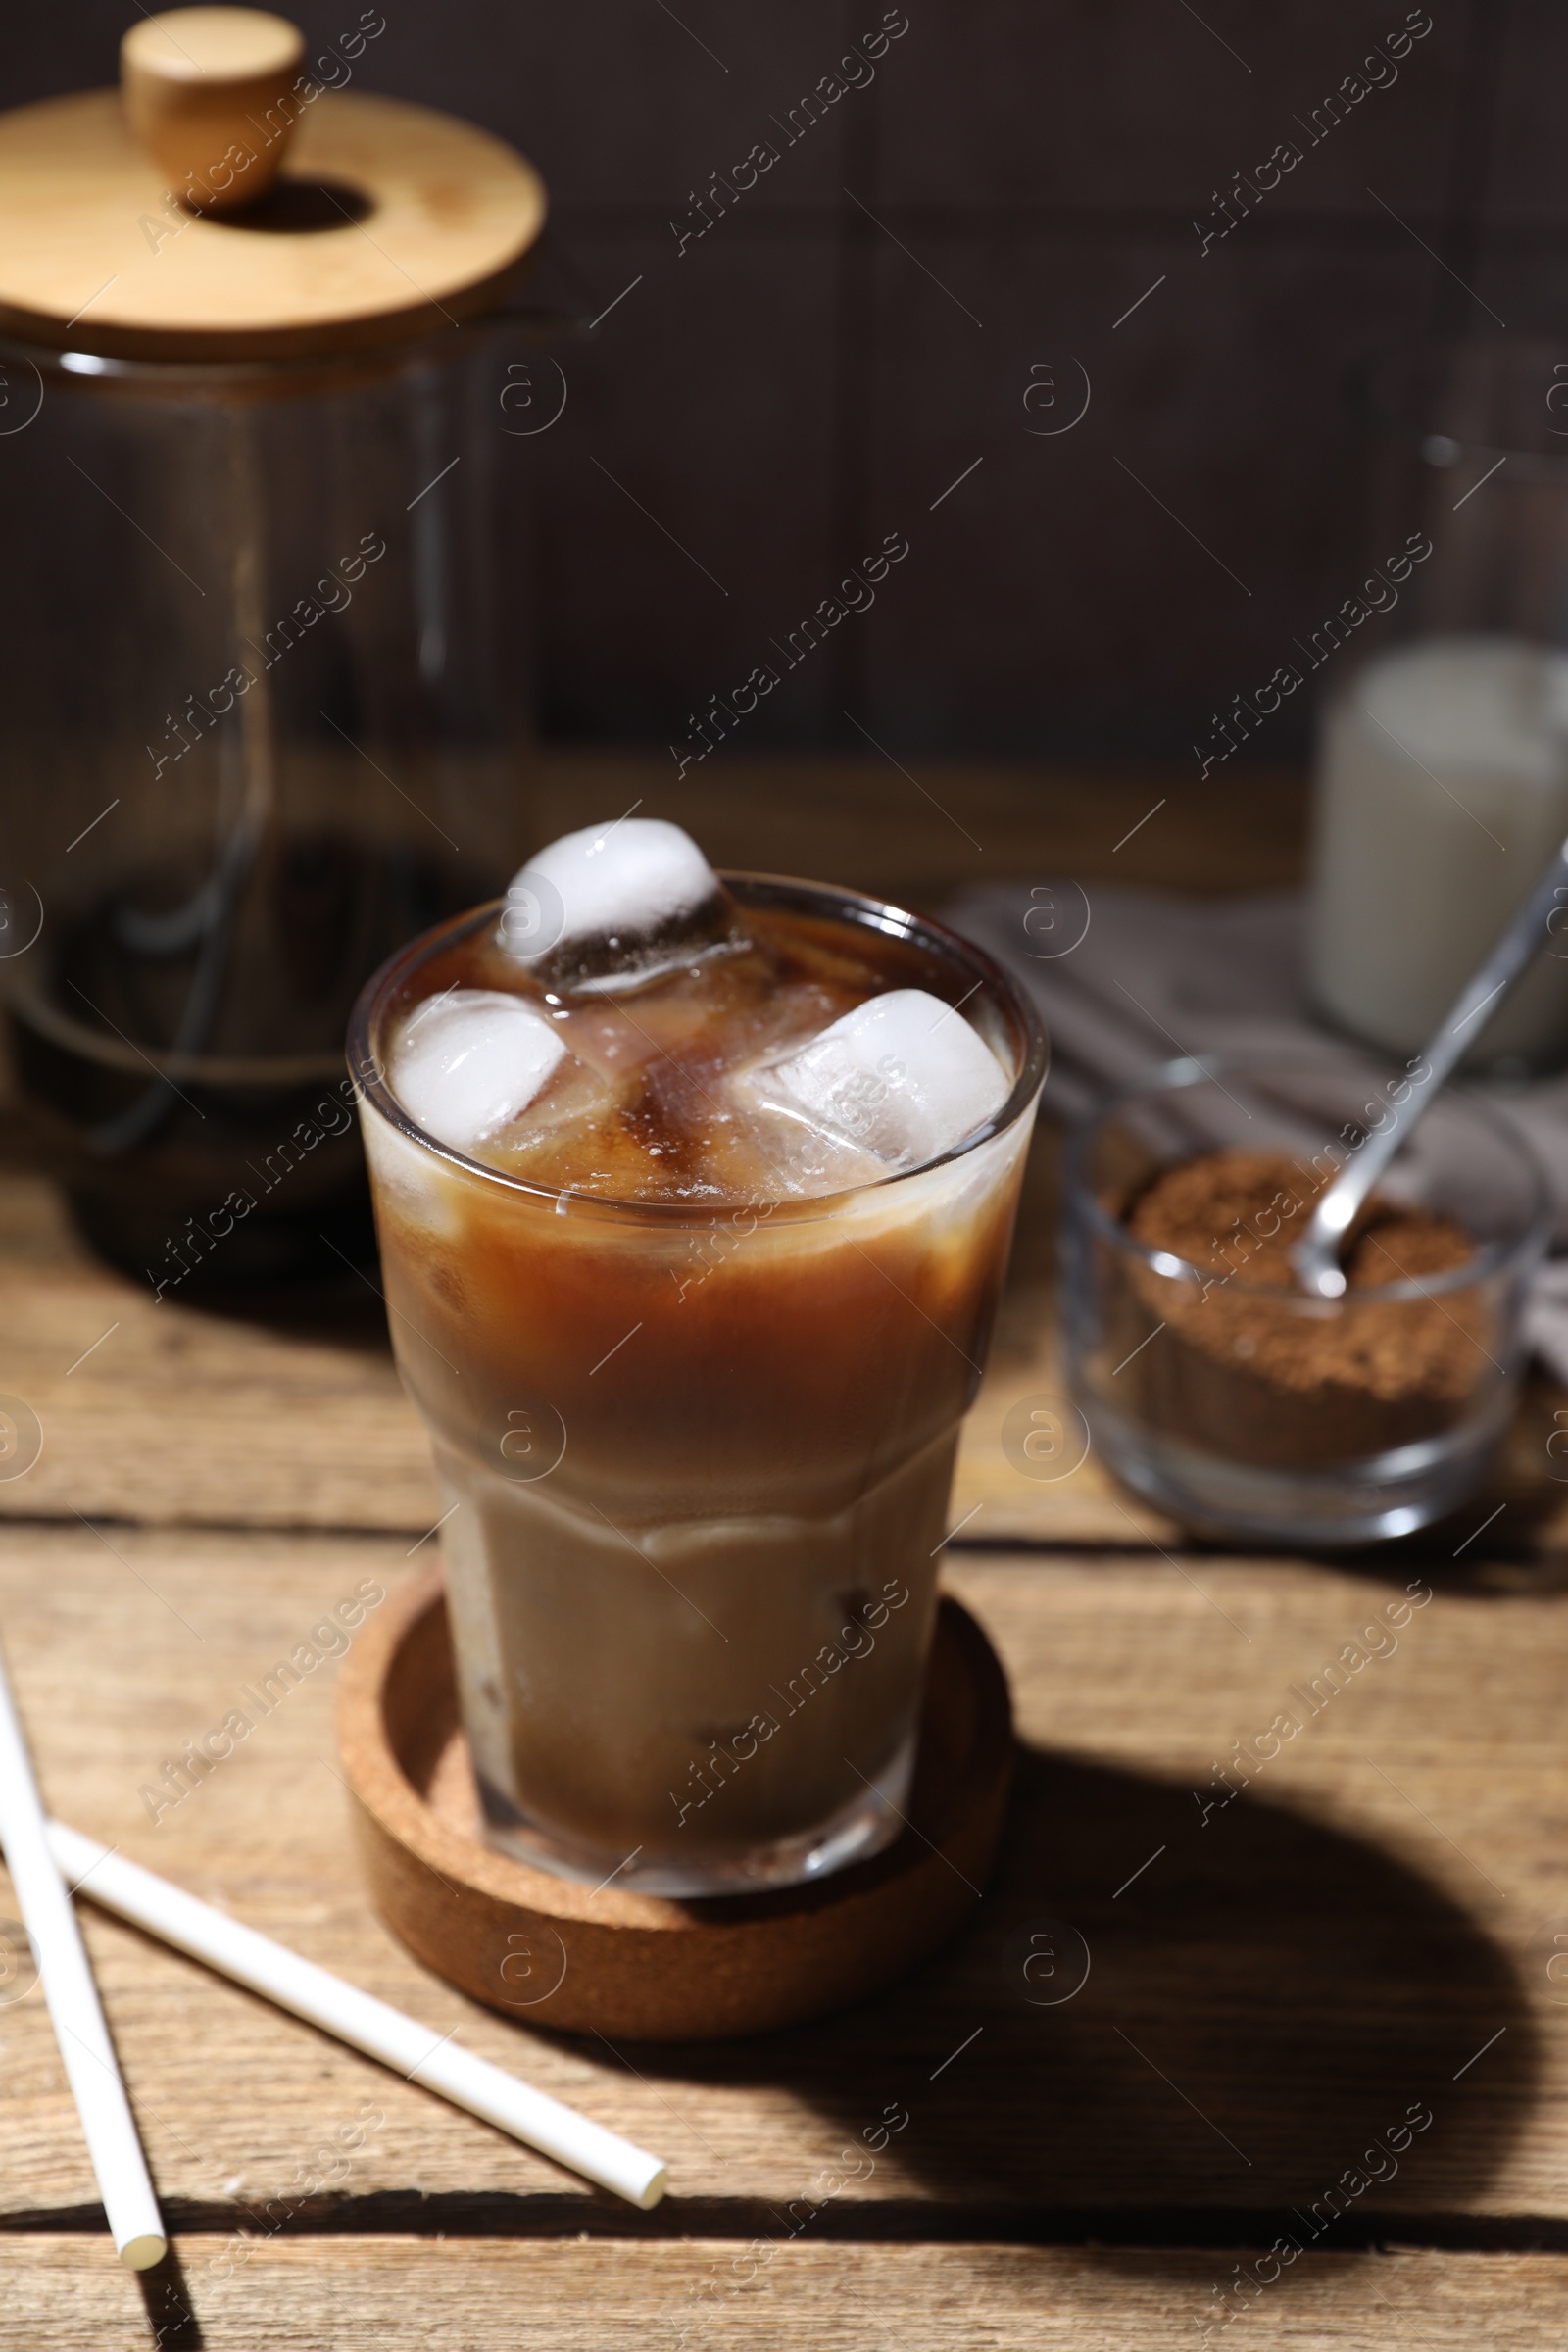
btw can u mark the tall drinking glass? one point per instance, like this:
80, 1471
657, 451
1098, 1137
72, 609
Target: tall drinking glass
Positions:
696, 1457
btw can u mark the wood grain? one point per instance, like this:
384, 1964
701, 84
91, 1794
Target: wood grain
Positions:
181, 1415
917, 831
156, 1412
353, 2294
1287, 1951
1268, 1991
165, 1413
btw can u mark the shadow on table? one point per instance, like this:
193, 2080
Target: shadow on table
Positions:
170, 2315
1274, 2010
348, 1312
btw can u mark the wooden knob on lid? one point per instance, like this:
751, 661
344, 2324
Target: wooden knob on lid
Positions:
211, 94
131, 225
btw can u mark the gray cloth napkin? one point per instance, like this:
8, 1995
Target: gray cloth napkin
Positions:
1128, 978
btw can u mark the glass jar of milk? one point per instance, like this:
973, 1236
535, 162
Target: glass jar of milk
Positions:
1441, 785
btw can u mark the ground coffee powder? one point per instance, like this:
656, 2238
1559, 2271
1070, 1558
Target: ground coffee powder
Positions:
1249, 1367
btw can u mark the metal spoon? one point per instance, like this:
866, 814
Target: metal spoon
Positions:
1315, 1257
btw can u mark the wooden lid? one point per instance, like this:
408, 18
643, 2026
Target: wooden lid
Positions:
385, 220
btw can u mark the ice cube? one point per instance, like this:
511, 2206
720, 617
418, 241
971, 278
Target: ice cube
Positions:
904, 1077
471, 1063
618, 905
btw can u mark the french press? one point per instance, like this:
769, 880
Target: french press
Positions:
265, 429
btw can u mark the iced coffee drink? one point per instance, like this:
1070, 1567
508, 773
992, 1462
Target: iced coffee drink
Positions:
694, 1200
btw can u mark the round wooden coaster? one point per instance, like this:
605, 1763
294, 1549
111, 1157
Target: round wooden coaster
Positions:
554, 1953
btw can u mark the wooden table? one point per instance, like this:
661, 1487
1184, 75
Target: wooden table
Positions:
1357, 1942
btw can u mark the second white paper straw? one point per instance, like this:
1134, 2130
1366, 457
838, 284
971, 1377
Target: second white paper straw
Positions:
75, 2012
358, 2018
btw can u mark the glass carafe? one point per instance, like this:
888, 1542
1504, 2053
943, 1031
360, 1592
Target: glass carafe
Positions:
264, 660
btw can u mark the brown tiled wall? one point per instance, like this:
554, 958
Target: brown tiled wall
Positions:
859, 329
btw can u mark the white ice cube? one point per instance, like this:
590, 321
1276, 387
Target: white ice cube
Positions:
904, 1077
626, 900
470, 1064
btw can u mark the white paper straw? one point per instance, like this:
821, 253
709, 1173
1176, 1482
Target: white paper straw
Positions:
357, 2018
76, 2013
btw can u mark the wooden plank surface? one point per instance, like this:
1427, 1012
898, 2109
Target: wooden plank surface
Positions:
358, 2294
917, 831
1270, 1987
178, 1414
181, 1415
1280, 1968
162, 1411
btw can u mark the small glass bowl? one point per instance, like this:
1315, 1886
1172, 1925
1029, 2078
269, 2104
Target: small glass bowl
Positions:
1262, 1414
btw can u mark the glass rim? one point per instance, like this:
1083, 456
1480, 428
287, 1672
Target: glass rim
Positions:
1190, 1069
858, 907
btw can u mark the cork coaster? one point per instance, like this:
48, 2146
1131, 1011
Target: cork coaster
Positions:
553, 1954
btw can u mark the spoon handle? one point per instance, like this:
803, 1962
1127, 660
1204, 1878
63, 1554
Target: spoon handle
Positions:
1336, 1210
